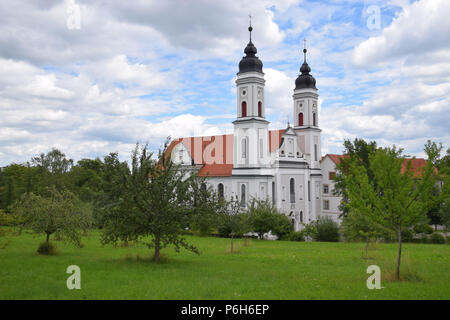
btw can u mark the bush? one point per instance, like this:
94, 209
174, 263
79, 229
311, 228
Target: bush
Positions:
423, 228
437, 238
297, 236
407, 236
47, 248
327, 230
282, 226
6, 219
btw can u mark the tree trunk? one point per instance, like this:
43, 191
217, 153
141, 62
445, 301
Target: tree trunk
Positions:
48, 237
157, 248
399, 255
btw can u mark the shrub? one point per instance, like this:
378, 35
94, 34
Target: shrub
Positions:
423, 228
437, 238
6, 219
327, 230
264, 217
47, 248
297, 236
282, 226
407, 235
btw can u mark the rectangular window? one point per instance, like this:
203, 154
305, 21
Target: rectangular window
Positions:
326, 204
309, 190
325, 189
273, 192
315, 152
331, 175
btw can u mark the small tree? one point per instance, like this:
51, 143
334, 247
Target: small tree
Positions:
61, 213
393, 198
232, 221
156, 202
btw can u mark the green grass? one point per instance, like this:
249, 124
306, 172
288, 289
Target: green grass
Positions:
263, 270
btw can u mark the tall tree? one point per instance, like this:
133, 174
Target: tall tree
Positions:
394, 198
156, 204
358, 151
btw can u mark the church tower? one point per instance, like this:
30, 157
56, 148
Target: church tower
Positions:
306, 121
251, 145
306, 115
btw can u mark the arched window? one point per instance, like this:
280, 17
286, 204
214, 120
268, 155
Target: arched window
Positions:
203, 190
220, 190
244, 108
300, 119
243, 200
314, 119
259, 109
292, 190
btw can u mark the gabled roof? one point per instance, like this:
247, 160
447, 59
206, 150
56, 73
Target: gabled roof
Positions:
336, 158
223, 164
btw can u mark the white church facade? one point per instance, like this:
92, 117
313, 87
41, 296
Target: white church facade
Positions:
284, 166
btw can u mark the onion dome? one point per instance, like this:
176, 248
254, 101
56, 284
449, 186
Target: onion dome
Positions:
250, 63
305, 80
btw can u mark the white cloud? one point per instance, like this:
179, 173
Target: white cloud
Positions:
420, 28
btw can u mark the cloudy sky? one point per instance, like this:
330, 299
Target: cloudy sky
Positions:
147, 69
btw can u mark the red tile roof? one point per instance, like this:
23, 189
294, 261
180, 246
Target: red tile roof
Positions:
221, 164
417, 164
336, 158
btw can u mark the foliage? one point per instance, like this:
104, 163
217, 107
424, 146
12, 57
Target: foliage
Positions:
156, 202
358, 226
327, 230
6, 219
437, 237
232, 221
61, 212
206, 205
310, 231
265, 217
423, 228
392, 197
358, 151
296, 236
407, 235
282, 226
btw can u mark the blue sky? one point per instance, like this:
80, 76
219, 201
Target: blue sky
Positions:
145, 71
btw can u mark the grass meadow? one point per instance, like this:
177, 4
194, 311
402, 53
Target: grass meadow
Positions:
260, 269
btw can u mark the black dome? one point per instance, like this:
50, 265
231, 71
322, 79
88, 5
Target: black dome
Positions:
250, 63
305, 80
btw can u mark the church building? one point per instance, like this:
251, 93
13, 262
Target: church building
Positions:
283, 166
